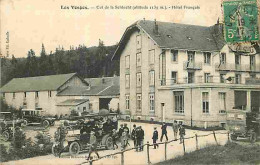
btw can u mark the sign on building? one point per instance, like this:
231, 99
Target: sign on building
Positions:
241, 21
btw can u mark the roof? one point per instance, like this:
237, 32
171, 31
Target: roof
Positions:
72, 102
40, 83
177, 36
103, 81
112, 90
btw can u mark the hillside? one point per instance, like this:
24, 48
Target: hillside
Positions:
87, 62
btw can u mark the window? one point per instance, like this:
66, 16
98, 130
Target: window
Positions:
36, 94
179, 102
138, 42
90, 106
24, 94
207, 58
174, 77
205, 102
206, 77
3, 95
84, 109
222, 58
14, 95
191, 56
139, 79
222, 78
151, 96
174, 55
139, 102
138, 59
49, 93
190, 77
127, 81
151, 78
238, 78
127, 61
24, 105
151, 56
237, 59
127, 102
222, 102
252, 62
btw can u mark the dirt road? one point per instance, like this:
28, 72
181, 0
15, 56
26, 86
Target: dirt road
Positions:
132, 157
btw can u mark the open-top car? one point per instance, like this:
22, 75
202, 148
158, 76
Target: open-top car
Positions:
77, 141
244, 124
36, 117
8, 123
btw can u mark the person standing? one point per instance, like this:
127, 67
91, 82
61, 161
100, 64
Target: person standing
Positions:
138, 138
175, 128
93, 145
164, 131
155, 138
121, 130
133, 135
114, 137
126, 128
141, 139
182, 133
124, 139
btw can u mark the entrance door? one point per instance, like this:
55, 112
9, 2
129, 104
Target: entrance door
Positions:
163, 112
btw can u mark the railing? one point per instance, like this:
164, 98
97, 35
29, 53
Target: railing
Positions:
237, 67
192, 65
193, 80
148, 145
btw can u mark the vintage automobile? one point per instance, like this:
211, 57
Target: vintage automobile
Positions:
242, 123
36, 117
79, 141
8, 123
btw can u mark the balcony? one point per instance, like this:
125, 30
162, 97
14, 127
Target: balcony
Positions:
236, 67
186, 80
192, 65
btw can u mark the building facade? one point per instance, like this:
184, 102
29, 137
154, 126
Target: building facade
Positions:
184, 72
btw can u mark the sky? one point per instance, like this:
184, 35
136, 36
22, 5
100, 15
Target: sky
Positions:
33, 22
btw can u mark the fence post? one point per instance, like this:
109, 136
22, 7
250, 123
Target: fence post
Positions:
183, 144
122, 157
197, 144
165, 150
228, 137
215, 137
148, 156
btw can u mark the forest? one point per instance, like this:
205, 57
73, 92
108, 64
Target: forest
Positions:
88, 62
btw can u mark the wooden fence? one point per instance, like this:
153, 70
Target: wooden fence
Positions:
122, 153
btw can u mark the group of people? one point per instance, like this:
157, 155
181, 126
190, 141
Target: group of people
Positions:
137, 136
123, 134
176, 128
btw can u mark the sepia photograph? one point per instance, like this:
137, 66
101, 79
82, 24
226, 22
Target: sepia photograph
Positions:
129, 82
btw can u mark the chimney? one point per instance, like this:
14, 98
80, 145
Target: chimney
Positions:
156, 28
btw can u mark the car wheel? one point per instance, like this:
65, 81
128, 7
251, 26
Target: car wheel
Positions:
6, 135
233, 137
55, 150
253, 137
25, 123
46, 124
74, 148
107, 141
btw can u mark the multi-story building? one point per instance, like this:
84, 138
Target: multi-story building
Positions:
181, 72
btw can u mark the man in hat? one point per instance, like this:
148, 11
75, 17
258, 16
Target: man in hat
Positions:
133, 134
175, 128
92, 144
155, 138
121, 130
164, 131
141, 138
182, 133
124, 139
114, 137
126, 128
